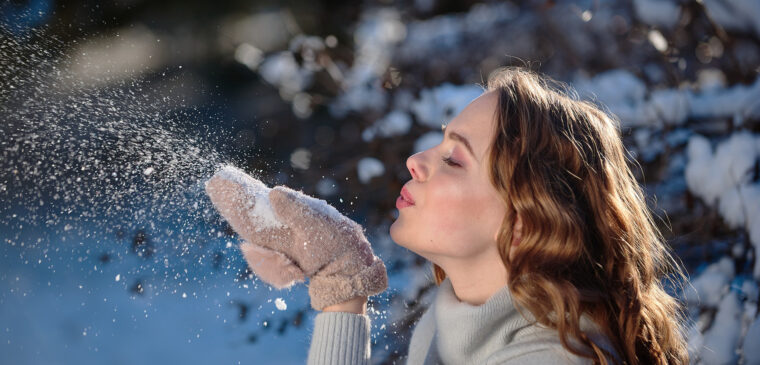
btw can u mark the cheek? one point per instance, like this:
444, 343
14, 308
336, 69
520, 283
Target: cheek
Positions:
453, 221
472, 215
453, 215
436, 222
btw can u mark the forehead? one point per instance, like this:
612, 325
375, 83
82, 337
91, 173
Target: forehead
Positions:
476, 122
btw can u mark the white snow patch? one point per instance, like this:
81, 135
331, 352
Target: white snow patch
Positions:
626, 96
441, 104
723, 180
740, 101
378, 31
395, 123
260, 209
672, 106
750, 347
622, 92
444, 32
283, 71
661, 13
427, 141
369, 167
721, 339
323, 207
711, 284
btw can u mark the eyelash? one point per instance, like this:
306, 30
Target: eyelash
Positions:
450, 162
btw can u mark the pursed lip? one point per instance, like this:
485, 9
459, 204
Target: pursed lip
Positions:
406, 195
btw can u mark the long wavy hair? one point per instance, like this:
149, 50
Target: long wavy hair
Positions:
589, 244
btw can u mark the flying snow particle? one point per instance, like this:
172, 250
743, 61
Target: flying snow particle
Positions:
326, 187
280, 304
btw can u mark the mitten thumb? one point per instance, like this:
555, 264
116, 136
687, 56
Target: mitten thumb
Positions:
271, 266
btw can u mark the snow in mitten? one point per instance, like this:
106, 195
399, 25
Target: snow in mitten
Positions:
288, 235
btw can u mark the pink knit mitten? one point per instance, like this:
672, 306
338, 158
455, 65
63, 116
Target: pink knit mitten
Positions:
289, 236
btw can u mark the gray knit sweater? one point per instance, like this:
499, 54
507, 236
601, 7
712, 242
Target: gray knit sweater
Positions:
451, 332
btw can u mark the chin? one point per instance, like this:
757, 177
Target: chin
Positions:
396, 236
393, 232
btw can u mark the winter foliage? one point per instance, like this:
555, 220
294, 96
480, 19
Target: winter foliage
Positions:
110, 250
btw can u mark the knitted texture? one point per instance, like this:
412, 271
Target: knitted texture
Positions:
340, 338
289, 236
453, 332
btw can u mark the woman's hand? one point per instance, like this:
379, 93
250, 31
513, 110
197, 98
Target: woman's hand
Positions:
289, 236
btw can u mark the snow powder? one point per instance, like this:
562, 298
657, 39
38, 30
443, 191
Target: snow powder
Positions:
280, 304
262, 208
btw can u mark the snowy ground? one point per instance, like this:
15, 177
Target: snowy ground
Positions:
69, 307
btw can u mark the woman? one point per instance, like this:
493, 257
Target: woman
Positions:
526, 209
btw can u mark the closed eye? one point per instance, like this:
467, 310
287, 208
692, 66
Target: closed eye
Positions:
450, 162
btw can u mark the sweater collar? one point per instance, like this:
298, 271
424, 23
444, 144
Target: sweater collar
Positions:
467, 332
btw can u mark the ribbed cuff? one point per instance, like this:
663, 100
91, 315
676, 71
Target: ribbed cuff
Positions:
340, 338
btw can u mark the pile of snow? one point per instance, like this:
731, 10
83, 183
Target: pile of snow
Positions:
395, 123
439, 105
449, 31
749, 348
621, 91
723, 180
292, 77
434, 108
733, 15
282, 71
710, 286
739, 102
627, 97
722, 337
259, 208
378, 31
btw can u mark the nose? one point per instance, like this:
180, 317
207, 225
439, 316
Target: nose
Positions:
416, 167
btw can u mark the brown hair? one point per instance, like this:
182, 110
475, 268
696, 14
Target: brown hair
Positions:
589, 244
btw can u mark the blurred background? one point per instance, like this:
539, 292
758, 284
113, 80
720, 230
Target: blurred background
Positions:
114, 114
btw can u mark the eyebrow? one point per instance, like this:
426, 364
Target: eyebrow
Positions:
460, 138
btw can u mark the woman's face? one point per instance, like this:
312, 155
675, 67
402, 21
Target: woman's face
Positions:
456, 212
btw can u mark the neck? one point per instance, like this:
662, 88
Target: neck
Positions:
475, 280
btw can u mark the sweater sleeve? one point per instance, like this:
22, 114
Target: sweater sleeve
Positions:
340, 338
